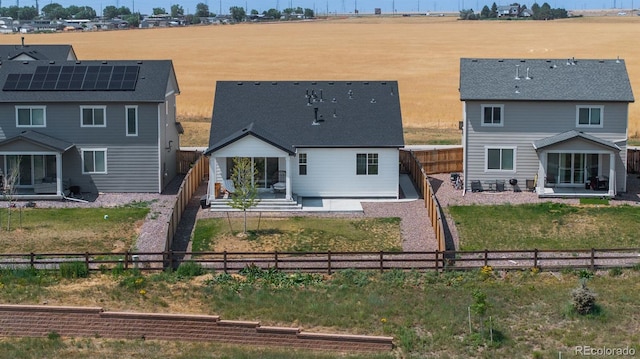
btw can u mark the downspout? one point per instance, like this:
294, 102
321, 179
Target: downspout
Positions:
464, 148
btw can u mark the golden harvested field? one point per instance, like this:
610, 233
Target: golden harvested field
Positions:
422, 53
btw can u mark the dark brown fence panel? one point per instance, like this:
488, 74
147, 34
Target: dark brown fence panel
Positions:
186, 159
633, 160
329, 262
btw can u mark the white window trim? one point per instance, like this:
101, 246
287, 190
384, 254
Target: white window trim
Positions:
367, 154
44, 116
486, 158
94, 150
305, 163
578, 107
126, 119
104, 111
482, 107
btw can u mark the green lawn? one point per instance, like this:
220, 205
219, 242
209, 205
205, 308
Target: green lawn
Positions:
298, 234
546, 226
71, 230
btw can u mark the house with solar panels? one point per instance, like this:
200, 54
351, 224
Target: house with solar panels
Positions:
88, 126
556, 127
307, 138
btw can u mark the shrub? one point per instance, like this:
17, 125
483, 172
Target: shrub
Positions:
189, 269
614, 272
73, 270
583, 299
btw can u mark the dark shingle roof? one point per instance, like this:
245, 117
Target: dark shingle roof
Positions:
41, 140
151, 85
354, 114
38, 52
548, 80
566, 136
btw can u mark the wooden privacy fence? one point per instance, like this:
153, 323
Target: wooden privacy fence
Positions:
330, 262
439, 160
186, 159
189, 185
633, 160
419, 176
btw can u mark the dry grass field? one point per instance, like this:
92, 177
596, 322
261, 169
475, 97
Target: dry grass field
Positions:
422, 53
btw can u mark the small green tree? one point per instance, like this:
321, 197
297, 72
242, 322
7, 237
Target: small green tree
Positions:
494, 10
237, 13
480, 307
245, 195
583, 299
11, 187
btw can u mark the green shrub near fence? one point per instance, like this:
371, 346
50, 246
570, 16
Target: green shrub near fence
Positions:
74, 270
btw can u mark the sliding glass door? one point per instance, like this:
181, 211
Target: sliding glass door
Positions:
265, 168
571, 168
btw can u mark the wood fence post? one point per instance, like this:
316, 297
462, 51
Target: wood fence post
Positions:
329, 262
224, 261
126, 260
381, 262
486, 257
32, 259
170, 258
535, 258
275, 256
593, 259
86, 260
436, 260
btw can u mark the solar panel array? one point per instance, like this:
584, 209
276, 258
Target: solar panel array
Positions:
75, 78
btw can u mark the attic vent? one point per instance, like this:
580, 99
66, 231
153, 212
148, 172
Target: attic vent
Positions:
52, 62
239, 84
334, 100
373, 100
256, 83
104, 62
274, 83
139, 62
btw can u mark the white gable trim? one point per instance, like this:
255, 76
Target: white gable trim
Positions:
249, 146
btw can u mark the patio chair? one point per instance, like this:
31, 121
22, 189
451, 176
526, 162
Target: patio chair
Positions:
281, 184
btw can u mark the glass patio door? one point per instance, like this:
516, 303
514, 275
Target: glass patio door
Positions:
571, 168
24, 165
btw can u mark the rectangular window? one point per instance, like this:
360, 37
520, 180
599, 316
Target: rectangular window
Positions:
31, 116
94, 161
302, 164
93, 116
500, 159
492, 115
589, 116
132, 120
367, 164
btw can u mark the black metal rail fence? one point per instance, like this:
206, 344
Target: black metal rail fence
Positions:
329, 262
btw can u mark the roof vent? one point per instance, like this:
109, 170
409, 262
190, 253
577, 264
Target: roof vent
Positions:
239, 83
296, 83
78, 62
256, 83
528, 77
350, 93
365, 83
51, 62
517, 89
334, 113
314, 83
334, 100
348, 83
383, 83
321, 96
331, 83
618, 60
501, 60
104, 62
139, 62
373, 100
274, 83
517, 72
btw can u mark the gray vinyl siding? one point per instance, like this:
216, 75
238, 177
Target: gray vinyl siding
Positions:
132, 161
526, 122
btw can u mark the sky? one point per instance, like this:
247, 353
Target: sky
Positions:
332, 6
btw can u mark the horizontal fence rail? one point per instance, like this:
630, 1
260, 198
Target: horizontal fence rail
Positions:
330, 262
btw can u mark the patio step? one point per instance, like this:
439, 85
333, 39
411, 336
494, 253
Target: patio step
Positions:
271, 204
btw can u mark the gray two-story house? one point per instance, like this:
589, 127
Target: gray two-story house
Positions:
558, 127
92, 126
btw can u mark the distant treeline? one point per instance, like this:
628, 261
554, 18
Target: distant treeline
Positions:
515, 10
